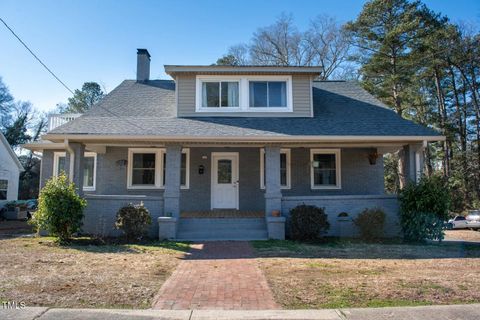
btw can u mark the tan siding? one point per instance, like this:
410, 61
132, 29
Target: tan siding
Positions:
185, 95
301, 87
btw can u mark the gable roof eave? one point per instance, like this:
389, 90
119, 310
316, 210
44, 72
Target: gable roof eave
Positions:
266, 139
11, 152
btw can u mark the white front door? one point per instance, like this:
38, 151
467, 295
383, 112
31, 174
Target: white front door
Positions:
224, 180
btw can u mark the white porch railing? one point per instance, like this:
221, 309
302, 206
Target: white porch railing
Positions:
56, 120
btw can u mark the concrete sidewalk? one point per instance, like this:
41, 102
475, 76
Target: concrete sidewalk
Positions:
464, 312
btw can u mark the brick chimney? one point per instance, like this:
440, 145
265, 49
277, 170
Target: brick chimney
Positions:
143, 65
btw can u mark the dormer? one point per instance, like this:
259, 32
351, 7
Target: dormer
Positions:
243, 91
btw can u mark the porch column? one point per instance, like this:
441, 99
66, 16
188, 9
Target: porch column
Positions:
171, 196
74, 164
273, 194
414, 161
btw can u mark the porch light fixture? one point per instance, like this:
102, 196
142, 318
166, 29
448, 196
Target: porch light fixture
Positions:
372, 157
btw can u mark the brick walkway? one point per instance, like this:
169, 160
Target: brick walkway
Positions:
217, 275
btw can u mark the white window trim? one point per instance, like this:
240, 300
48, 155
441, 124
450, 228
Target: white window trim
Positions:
187, 169
338, 161
198, 93
262, 169
6, 190
244, 93
94, 155
159, 166
57, 155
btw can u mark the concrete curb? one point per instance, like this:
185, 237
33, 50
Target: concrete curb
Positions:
465, 312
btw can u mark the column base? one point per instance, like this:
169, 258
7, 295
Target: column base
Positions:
167, 228
272, 203
276, 228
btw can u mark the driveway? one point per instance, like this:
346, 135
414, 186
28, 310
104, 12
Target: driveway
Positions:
464, 235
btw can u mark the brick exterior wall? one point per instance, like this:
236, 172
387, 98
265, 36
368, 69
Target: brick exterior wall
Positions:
353, 205
101, 211
358, 178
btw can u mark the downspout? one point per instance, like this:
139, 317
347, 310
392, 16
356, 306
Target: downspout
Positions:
71, 160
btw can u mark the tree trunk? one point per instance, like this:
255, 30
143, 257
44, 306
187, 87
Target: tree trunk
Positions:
442, 112
462, 133
428, 162
402, 177
474, 92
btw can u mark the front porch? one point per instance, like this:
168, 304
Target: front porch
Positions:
229, 190
222, 214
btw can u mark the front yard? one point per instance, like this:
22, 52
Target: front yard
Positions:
354, 274
38, 271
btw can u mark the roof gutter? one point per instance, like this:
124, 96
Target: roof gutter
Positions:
268, 139
71, 160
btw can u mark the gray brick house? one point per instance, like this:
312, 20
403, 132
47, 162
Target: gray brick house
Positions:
216, 151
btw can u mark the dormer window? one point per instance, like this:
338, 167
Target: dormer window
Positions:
229, 93
221, 94
268, 94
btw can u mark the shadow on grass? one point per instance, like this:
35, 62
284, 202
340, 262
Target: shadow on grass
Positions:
117, 245
357, 249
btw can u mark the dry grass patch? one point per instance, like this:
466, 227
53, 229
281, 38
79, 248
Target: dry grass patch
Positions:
42, 273
353, 274
12, 227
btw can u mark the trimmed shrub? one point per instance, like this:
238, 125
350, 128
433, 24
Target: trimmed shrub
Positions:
133, 220
423, 209
425, 226
371, 223
60, 208
308, 222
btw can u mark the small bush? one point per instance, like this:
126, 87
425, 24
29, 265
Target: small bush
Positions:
133, 220
60, 208
423, 209
308, 222
371, 223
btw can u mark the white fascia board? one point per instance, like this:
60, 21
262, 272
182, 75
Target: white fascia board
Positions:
269, 139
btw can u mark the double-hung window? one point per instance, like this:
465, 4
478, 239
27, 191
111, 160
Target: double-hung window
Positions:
3, 189
325, 168
220, 94
284, 169
147, 168
143, 165
89, 168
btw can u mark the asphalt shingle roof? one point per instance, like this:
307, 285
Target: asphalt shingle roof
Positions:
340, 108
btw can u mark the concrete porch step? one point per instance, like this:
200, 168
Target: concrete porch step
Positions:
221, 235
222, 229
222, 224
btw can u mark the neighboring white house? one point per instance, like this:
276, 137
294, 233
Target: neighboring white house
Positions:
10, 169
